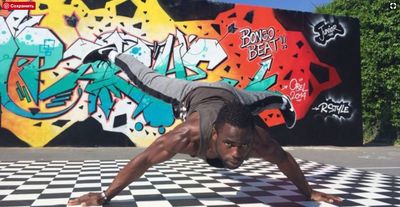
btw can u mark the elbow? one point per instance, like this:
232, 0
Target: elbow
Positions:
144, 160
156, 153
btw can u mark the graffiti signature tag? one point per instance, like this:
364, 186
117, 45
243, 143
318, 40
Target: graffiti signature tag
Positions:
338, 109
298, 91
327, 31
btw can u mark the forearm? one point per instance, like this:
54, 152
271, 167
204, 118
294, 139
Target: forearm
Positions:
131, 172
292, 170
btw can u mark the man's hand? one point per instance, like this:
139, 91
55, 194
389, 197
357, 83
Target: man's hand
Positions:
318, 196
90, 199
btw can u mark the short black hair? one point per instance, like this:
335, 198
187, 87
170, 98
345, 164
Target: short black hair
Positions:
235, 114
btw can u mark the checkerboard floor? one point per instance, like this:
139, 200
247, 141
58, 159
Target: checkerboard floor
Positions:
190, 182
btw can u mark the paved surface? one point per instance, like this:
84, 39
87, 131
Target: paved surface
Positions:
191, 182
384, 160
362, 176
375, 159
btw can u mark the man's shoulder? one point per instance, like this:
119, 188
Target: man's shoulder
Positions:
191, 126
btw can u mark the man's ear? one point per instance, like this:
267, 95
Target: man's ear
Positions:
214, 133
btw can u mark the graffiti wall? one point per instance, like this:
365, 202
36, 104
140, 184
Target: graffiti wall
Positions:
49, 98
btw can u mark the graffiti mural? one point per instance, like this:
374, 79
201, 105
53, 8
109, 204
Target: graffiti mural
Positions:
49, 98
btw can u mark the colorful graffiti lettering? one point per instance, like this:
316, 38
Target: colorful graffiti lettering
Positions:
261, 43
46, 89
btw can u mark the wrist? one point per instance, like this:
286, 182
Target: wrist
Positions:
308, 194
104, 197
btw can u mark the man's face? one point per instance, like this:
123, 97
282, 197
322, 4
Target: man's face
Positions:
233, 145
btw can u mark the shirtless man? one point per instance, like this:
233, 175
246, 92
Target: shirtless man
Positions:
220, 125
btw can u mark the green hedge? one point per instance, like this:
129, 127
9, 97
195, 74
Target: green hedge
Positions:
380, 64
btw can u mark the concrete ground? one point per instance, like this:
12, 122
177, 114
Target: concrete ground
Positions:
381, 159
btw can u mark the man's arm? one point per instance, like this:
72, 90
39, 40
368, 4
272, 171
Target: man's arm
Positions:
267, 148
159, 151
162, 149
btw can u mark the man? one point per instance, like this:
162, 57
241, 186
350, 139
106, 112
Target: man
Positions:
220, 125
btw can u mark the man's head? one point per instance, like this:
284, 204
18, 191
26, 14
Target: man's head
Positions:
234, 132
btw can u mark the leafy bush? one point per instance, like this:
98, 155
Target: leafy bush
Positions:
380, 64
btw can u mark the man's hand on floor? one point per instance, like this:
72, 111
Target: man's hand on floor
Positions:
90, 199
318, 196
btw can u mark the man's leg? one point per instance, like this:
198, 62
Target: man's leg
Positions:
258, 101
170, 90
